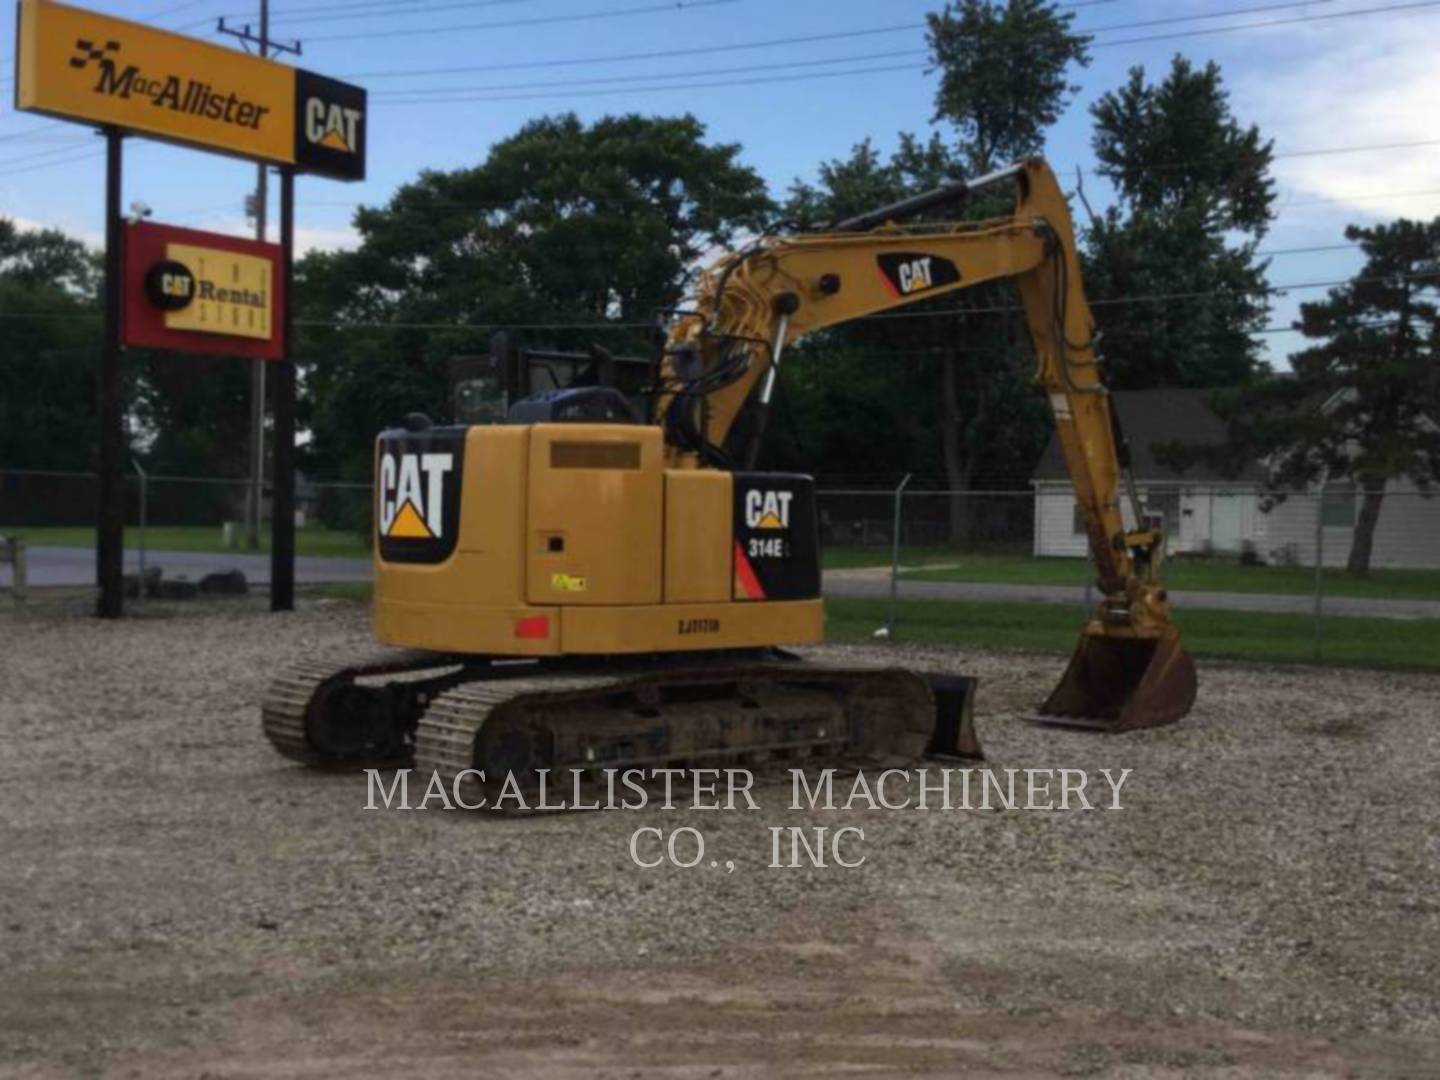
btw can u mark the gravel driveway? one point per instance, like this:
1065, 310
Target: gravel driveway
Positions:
176, 900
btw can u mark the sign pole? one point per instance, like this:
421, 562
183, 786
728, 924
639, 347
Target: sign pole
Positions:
257, 367
257, 405
110, 518
282, 517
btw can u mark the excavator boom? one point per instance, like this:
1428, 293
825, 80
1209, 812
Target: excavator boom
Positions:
1130, 668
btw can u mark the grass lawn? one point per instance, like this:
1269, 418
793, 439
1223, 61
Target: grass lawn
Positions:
1382, 643
851, 558
311, 540
1053, 628
1207, 575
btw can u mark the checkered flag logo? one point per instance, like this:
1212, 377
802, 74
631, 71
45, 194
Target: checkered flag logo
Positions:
86, 53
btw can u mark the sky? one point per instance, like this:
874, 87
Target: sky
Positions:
449, 78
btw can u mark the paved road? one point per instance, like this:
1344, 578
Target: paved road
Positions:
76, 566
870, 583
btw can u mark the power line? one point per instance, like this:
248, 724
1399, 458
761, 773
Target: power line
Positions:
1362, 198
645, 83
676, 6
1306, 250
40, 155
1203, 17
1162, 298
1375, 196
72, 139
455, 205
500, 87
374, 9
772, 43
31, 132
673, 5
174, 10
88, 155
1272, 22
1154, 298
314, 12
332, 324
628, 57
382, 10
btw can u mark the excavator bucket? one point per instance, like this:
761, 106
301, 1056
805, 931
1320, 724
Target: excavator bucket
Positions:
1124, 683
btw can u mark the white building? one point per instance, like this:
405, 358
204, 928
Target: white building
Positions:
1206, 513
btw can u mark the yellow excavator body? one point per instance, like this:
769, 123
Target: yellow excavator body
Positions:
578, 539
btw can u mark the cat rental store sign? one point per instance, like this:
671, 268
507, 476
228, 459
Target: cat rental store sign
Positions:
80, 65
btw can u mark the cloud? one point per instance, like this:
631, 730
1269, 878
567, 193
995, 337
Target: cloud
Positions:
307, 238
343, 238
1357, 83
89, 237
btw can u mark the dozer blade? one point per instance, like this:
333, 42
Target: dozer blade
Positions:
955, 735
1124, 683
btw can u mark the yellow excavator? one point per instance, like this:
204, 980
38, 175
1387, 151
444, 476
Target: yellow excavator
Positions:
580, 586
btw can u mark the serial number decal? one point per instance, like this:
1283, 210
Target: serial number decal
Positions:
699, 626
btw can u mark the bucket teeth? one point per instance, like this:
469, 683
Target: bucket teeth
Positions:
1124, 684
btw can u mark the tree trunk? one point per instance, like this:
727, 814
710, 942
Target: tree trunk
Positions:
952, 445
1364, 543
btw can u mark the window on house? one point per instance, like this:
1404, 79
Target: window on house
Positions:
1337, 506
1077, 524
1162, 508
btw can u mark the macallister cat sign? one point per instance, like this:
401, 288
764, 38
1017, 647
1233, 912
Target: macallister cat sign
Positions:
180, 289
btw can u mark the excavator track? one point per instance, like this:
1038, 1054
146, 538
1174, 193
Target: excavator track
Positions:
459, 717
313, 700
715, 715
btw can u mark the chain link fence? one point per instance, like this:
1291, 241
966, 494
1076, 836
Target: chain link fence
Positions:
1231, 549
54, 509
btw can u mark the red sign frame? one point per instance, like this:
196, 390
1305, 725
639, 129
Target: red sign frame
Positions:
142, 322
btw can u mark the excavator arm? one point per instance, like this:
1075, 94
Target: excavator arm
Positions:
1130, 669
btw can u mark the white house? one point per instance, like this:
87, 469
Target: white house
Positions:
1206, 513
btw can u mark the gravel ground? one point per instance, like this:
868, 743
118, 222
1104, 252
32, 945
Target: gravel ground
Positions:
176, 900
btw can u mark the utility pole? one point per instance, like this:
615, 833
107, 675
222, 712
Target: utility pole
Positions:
255, 498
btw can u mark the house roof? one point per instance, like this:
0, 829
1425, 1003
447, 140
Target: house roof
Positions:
1154, 417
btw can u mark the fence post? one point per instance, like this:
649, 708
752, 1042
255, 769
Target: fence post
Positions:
144, 499
895, 559
1320, 566
18, 585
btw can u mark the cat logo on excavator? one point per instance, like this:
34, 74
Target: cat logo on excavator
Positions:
768, 509
409, 508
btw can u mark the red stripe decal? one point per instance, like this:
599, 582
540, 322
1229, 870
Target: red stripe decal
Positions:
749, 583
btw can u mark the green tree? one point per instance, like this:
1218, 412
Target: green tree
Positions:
49, 337
564, 222
1004, 75
1375, 367
1004, 81
1363, 403
1194, 200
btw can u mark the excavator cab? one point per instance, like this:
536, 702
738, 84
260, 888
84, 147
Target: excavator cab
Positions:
514, 384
